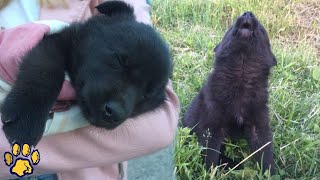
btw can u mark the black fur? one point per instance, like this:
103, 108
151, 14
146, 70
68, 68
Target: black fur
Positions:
119, 69
233, 101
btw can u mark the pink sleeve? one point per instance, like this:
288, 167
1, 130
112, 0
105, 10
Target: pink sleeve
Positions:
14, 43
92, 147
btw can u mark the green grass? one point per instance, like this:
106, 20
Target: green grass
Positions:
193, 28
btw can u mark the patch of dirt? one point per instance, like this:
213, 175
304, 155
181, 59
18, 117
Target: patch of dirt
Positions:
307, 21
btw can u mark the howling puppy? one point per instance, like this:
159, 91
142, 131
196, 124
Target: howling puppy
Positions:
233, 101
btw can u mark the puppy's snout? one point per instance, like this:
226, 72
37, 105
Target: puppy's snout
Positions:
247, 21
248, 15
112, 112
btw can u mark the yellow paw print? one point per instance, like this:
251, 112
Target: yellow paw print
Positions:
21, 165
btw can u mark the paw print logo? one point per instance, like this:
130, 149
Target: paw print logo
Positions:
19, 159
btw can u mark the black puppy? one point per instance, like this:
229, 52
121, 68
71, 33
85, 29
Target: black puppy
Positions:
233, 101
118, 66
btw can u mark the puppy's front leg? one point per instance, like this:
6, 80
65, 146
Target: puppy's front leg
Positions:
25, 109
212, 140
259, 134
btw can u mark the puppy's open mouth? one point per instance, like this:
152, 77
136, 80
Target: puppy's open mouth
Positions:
246, 29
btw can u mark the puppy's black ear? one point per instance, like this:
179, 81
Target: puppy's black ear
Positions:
115, 8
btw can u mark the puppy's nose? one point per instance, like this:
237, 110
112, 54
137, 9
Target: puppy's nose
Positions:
112, 112
248, 14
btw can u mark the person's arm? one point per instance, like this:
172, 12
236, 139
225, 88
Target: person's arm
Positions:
91, 147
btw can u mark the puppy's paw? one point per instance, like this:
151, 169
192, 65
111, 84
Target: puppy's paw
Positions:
23, 126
